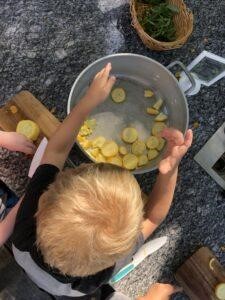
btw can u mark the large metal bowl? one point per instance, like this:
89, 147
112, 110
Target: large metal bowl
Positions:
134, 73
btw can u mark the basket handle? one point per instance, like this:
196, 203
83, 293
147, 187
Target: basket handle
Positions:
188, 74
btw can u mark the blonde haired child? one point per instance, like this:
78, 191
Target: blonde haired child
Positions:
76, 228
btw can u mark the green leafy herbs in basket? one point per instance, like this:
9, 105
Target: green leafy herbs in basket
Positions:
157, 21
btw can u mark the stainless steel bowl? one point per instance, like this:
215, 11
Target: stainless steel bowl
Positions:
134, 73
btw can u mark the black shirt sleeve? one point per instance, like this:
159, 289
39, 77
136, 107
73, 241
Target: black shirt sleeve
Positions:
25, 227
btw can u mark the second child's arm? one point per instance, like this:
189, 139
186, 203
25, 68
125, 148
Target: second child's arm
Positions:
160, 291
161, 197
7, 225
160, 200
14, 141
62, 141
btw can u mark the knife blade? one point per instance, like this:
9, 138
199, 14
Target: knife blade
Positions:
37, 157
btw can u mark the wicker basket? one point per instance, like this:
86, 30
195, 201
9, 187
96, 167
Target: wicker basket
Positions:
183, 22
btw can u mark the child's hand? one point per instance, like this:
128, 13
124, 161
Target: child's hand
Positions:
177, 146
160, 291
100, 87
14, 141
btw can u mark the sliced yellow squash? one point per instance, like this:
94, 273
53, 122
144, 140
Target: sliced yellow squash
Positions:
161, 144
152, 154
91, 123
161, 117
158, 128
80, 138
123, 150
148, 93
152, 111
86, 144
130, 161
118, 95
109, 149
28, 128
129, 135
13, 109
142, 160
152, 142
211, 262
158, 104
98, 142
220, 291
85, 130
138, 147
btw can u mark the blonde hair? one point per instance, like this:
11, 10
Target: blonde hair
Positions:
89, 218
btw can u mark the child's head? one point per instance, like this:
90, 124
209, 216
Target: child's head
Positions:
89, 218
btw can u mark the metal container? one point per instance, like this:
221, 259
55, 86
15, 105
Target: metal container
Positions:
135, 73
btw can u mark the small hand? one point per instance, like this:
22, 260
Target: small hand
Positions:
160, 291
14, 141
101, 86
177, 147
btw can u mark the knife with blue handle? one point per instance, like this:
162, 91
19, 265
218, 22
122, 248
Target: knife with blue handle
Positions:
142, 253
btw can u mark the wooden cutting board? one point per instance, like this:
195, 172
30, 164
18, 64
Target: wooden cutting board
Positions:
28, 108
197, 278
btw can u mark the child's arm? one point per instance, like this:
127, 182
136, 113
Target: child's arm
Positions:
62, 141
160, 291
161, 197
14, 141
7, 225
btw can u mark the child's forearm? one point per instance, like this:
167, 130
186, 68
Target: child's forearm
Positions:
2, 139
14, 141
7, 225
63, 139
161, 197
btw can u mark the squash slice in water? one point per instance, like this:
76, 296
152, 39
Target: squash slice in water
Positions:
148, 93
129, 135
158, 128
158, 104
109, 149
118, 95
86, 144
142, 160
152, 154
98, 142
161, 117
122, 150
138, 148
152, 111
162, 143
130, 161
152, 142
